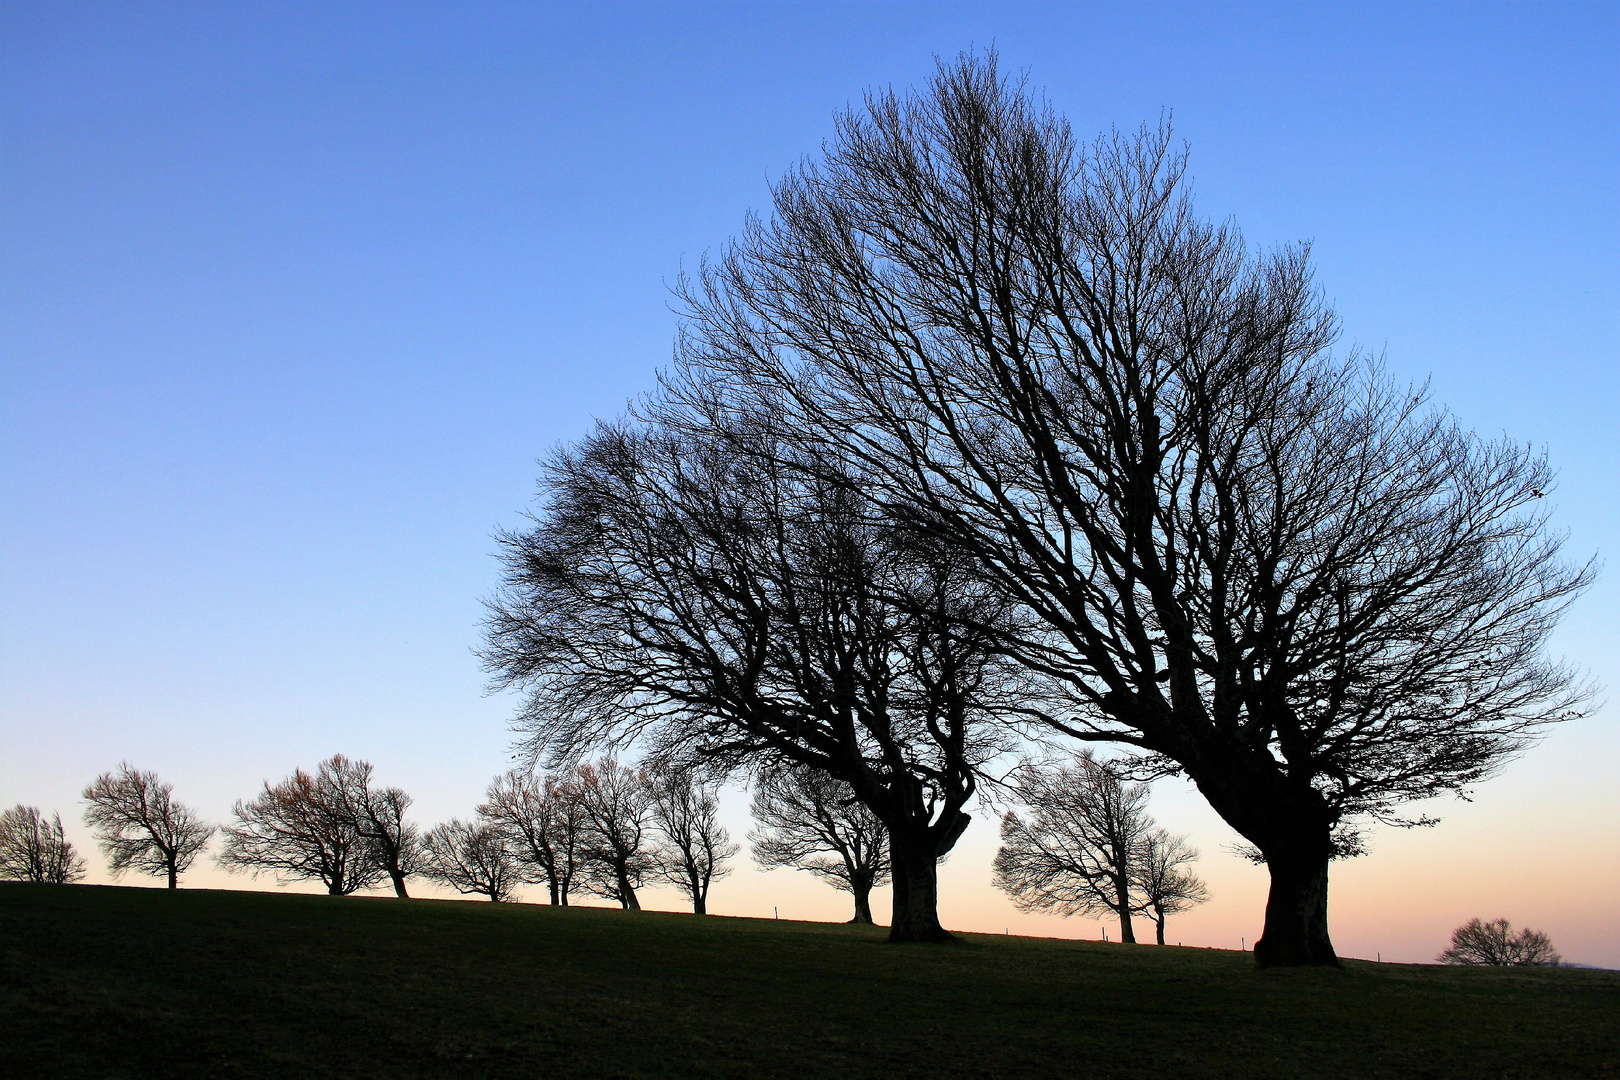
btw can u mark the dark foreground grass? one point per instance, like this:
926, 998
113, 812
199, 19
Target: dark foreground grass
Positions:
110, 982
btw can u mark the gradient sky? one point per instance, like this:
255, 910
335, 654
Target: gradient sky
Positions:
293, 296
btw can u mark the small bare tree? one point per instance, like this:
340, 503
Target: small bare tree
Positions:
473, 858
1495, 944
378, 815
544, 822
301, 829
1079, 851
1163, 883
812, 821
141, 827
694, 848
33, 849
616, 802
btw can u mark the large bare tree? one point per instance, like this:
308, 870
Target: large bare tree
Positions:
141, 827
301, 828
545, 822
1081, 850
706, 592
810, 820
472, 857
616, 801
1261, 564
693, 846
34, 849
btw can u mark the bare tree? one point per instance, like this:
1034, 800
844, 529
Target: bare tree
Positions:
301, 828
474, 858
141, 827
812, 821
616, 802
1080, 851
1495, 943
700, 589
1162, 881
544, 822
378, 815
33, 849
1275, 569
694, 847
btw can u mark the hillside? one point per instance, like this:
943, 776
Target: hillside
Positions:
98, 981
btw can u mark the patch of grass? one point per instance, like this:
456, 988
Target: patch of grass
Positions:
114, 982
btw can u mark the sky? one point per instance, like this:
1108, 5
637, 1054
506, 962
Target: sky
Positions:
293, 296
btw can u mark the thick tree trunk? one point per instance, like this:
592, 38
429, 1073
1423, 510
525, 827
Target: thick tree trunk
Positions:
399, 884
1158, 922
863, 903
551, 885
700, 904
1127, 933
916, 896
1296, 913
174, 877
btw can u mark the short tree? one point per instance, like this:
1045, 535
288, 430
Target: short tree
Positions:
141, 827
378, 815
544, 823
693, 846
33, 849
301, 828
1164, 886
616, 802
811, 821
1495, 943
1078, 853
472, 857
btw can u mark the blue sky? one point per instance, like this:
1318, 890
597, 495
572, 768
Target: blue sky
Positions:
293, 296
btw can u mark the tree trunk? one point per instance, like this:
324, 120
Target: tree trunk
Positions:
1122, 896
399, 884
1158, 921
916, 895
1296, 930
863, 903
627, 893
551, 885
174, 877
700, 904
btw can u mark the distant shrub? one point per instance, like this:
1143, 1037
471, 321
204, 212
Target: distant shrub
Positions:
1495, 944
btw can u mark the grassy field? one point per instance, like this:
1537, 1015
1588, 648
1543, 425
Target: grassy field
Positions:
109, 982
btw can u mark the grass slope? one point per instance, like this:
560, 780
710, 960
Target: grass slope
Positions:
110, 982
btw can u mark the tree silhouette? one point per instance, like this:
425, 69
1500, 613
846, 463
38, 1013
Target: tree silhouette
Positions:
695, 847
33, 849
1495, 944
812, 821
141, 827
1271, 568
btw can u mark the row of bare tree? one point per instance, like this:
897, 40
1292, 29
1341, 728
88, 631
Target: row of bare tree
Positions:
603, 827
